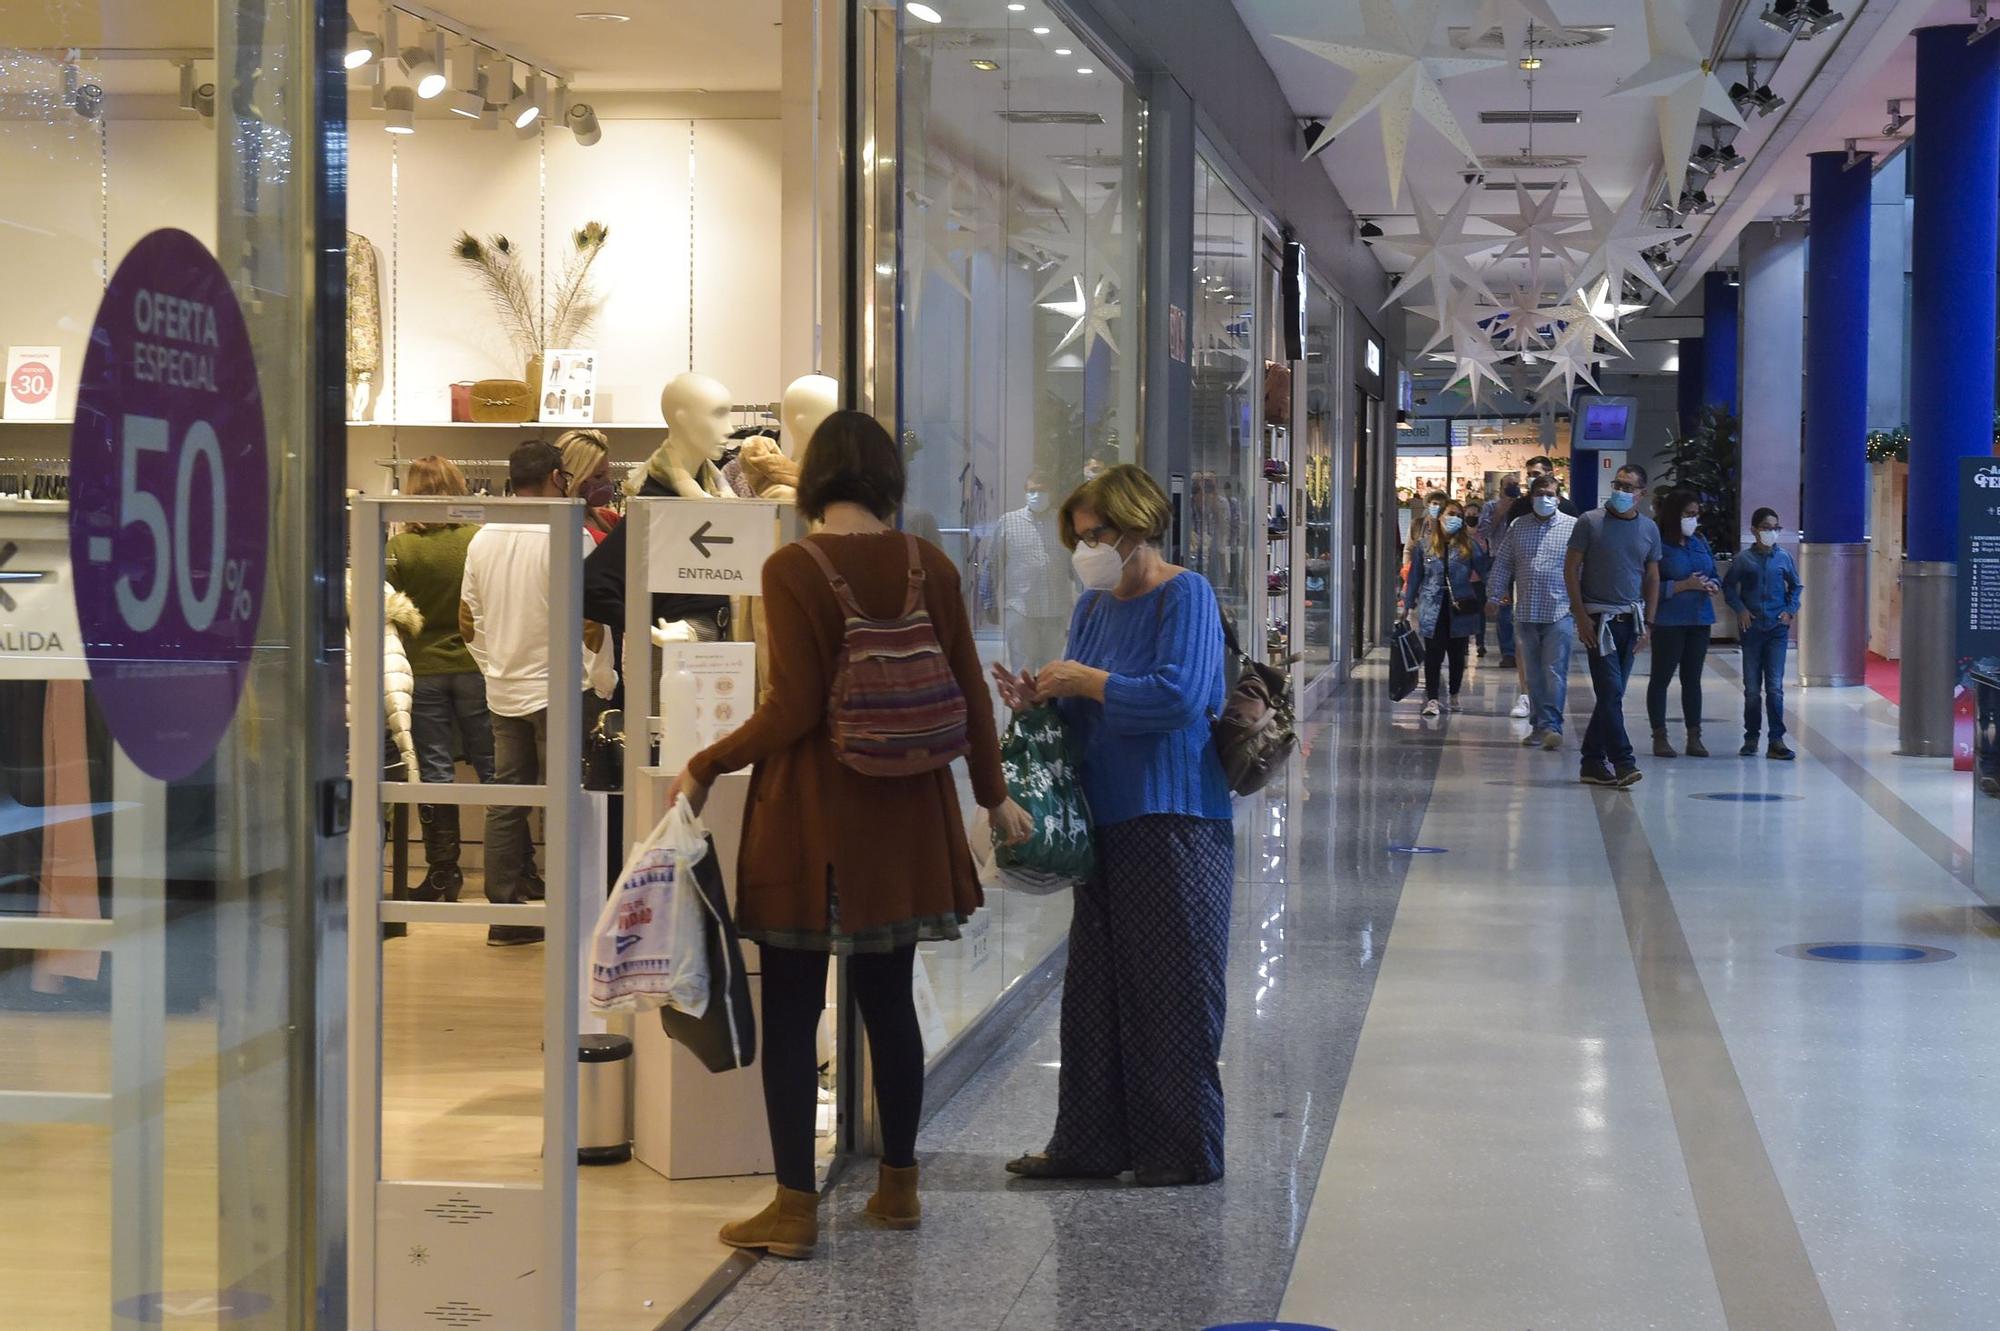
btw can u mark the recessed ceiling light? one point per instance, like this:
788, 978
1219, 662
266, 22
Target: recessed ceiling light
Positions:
1062, 50
1017, 9
601, 16
1085, 69
924, 12
1039, 32
986, 65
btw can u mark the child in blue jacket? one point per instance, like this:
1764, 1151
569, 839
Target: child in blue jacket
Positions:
1762, 587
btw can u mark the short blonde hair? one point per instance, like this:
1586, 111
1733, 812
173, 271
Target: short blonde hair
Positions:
1127, 498
582, 451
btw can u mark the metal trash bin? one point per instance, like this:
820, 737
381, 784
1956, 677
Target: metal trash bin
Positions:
603, 1099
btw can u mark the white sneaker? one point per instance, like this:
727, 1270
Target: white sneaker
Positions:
1520, 712
1433, 708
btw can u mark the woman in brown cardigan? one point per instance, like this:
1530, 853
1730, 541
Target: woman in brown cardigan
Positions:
837, 862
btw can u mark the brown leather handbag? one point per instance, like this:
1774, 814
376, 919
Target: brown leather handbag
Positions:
502, 401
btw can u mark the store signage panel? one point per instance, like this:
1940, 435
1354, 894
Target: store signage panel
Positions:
169, 503
709, 686
1978, 558
38, 630
34, 381
712, 546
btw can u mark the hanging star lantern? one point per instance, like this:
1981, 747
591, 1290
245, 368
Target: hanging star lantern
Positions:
1514, 18
1572, 358
1523, 317
1091, 250
1680, 82
1395, 75
1463, 313
1583, 311
1537, 232
941, 239
1618, 239
1440, 252
1473, 359
1093, 314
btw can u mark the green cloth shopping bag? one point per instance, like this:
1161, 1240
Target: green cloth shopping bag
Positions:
1044, 781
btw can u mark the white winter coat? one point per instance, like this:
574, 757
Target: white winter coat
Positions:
399, 682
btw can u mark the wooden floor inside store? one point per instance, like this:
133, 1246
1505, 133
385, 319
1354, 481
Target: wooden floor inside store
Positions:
462, 1100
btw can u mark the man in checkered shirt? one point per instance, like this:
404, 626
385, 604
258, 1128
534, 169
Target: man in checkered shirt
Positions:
1528, 575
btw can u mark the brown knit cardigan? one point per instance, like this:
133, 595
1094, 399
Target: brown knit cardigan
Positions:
893, 849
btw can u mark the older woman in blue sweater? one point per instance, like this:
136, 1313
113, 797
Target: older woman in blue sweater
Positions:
1143, 997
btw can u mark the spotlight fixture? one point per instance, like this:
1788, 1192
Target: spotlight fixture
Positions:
1695, 202
399, 110
922, 12
1984, 22
524, 107
1734, 277
1898, 118
1312, 131
1369, 230
361, 46
86, 99
1750, 95
425, 66
985, 66
1039, 32
1801, 19
1531, 62
1712, 159
582, 120
1855, 157
1819, 17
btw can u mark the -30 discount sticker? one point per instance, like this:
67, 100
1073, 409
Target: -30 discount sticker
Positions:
168, 493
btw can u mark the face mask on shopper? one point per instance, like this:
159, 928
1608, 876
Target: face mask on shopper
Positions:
1511, 490
1545, 505
599, 494
1688, 525
1038, 501
1767, 537
1620, 502
1452, 526
1431, 509
1099, 567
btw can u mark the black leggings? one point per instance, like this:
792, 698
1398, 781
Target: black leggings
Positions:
1681, 648
794, 997
1436, 648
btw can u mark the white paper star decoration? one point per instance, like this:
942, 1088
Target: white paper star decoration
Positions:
1681, 84
1473, 358
1538, 232
1513, 18
1523, 317
1574, 354
1462, 314
1395, 74
1440, 252
1093, 314
1618, 239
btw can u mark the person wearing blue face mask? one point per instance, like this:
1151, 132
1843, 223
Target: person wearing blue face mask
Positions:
1613, 572
1446, 592
1763, 589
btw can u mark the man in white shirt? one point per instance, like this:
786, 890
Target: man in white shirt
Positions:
504, 616
1035, 581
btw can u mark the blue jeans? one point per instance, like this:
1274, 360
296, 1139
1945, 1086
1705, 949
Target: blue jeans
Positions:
1506, 630
1764, 680
1610, 670
444, 706
1545, 650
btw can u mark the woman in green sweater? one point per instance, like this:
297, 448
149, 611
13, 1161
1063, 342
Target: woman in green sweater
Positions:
448, 715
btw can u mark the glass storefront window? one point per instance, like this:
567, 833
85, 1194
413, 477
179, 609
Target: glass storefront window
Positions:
1323, 588
1221, 504
1023, 192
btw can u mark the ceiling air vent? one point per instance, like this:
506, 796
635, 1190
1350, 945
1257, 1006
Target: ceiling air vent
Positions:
1052, 117
1566, 39
1530, 117
1531, 162
1524, 184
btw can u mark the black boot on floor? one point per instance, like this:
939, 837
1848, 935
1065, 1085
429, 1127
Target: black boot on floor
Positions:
1749, 749
442, 878
1779, 752
1695, 748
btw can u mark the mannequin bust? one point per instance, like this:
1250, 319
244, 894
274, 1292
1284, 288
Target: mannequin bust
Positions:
696, 409
808, 401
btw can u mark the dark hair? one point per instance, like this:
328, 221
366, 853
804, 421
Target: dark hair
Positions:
533, 462
1545, 481
1669, 507
1636, 470
851, 460
1437, 497
1541, 462
1759, 516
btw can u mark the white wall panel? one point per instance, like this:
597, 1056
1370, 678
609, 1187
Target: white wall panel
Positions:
738, 191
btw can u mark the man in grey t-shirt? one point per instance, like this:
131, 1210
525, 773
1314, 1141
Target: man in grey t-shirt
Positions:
1613, 572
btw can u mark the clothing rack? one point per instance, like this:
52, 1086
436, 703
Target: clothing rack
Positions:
34, 478
483, 476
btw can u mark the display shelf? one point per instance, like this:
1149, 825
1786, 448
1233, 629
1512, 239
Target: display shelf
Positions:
1279, 523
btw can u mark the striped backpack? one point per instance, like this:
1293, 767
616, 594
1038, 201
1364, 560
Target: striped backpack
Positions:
895, 708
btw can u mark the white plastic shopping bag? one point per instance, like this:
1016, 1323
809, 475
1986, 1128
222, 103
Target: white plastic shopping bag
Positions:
649, 947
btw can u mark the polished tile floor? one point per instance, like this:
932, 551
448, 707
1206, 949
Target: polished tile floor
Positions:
1561, 1075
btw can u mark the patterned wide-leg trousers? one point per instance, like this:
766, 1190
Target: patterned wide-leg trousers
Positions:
1144, 998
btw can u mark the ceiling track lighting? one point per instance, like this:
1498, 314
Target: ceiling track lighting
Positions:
1983, 23
1750, 95
86, 99
399, 110
582, 121
425, 67
362, 47
196, 97
1855, 157
1801, 20
1898, 118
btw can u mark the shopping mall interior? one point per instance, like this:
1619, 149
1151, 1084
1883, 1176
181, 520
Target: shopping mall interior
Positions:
1567, 909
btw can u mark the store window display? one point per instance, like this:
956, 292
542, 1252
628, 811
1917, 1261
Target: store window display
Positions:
1227, 388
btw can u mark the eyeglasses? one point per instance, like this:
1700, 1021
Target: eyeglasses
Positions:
1625, 487
1097, 536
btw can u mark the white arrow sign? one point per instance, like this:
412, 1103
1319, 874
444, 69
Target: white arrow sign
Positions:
715, 546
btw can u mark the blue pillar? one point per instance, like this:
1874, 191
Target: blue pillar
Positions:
1955, 177
1833, 630
1720, 299
1688, 382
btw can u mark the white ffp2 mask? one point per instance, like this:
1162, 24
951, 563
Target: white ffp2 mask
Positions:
1098, 567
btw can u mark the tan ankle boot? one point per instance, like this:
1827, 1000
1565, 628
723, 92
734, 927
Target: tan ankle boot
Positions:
788, 1227
895, 1205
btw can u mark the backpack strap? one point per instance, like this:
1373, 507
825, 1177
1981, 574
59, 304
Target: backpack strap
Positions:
915, 600
841, 591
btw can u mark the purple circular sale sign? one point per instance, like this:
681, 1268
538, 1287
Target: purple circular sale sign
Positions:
168, 526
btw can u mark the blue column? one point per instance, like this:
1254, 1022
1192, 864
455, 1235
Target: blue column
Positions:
1955, 178
1836, 465
1688, 382
1955, 171
1720, 300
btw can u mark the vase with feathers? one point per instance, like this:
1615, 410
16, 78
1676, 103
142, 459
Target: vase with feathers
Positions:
561, 317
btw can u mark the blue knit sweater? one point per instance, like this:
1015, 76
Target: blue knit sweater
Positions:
1146, 749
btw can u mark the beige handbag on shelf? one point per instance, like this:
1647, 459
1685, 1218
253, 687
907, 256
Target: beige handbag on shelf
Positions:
497, 401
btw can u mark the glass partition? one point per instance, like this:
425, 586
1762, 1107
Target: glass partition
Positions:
1227, 377
1323, 588
1023, 190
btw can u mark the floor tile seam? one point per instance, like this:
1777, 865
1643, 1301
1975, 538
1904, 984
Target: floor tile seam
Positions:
1763, 1272
1930, 840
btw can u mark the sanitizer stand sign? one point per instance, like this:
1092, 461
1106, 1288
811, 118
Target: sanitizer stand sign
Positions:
169, 522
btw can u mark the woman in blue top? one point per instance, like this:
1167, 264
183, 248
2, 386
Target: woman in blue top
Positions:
1447, 575
1682, 624
1763, 589
1144, 993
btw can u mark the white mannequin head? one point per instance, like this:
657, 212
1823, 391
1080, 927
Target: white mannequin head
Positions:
809, 400
696, 409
